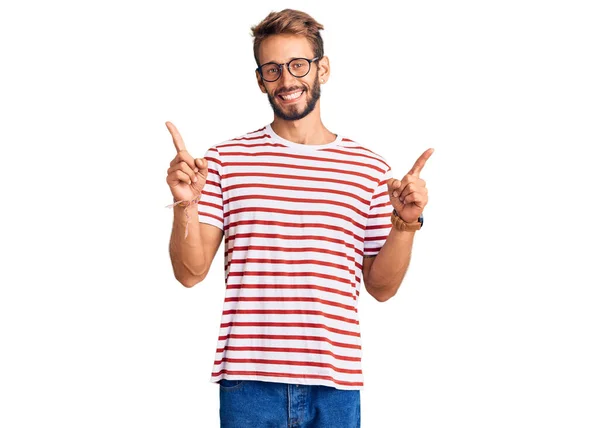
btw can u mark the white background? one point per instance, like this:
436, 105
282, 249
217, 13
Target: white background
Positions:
497, 321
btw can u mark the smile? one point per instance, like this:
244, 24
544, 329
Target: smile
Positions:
292, 96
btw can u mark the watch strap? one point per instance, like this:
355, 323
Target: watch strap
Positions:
403, 226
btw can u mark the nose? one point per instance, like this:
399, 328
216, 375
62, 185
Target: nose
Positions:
286, 76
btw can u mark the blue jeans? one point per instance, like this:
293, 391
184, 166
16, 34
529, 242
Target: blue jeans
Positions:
258, 404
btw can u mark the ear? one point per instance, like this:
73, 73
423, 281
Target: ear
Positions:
260, 82
324, 69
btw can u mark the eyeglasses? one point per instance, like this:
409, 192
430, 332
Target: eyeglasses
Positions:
298, 67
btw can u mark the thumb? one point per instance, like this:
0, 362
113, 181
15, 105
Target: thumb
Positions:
202, 165
393, 184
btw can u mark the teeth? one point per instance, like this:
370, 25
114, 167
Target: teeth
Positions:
292, 96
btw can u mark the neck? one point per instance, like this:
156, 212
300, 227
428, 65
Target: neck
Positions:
309, 130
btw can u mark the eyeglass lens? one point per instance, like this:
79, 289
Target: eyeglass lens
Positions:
298, 67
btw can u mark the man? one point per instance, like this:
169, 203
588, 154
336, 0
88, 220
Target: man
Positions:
305, 214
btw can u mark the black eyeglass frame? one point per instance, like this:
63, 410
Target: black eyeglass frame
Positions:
287, 65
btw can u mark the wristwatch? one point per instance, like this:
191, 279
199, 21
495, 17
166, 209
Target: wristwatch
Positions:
402, 226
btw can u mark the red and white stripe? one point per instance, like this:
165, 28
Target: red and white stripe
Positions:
297, 221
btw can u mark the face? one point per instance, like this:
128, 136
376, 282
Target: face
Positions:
291, 98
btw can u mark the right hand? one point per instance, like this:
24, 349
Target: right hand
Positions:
186, 176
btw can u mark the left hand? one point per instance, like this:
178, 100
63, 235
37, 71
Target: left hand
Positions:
409, 195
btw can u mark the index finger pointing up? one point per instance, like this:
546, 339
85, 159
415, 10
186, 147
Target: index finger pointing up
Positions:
177, 140
420, 163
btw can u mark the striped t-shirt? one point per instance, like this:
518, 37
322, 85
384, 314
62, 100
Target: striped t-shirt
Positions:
297, 220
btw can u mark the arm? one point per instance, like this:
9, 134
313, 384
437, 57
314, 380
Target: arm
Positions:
384, 273
192, 257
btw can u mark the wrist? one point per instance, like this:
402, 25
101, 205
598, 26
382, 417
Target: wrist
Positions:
402, 226
184, 203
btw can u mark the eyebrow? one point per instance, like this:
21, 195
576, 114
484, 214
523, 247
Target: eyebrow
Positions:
289, 59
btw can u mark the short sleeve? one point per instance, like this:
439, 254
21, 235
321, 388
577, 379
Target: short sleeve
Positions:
210, 206
378, 222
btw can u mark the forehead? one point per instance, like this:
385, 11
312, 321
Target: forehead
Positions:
282, 47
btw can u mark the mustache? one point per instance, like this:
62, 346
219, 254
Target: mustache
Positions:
290, 89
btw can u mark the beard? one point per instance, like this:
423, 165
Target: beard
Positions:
295, 112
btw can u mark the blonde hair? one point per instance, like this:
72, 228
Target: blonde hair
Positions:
289, 21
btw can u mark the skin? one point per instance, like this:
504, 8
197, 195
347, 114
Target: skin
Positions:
409, 195
281, 49
383, 273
